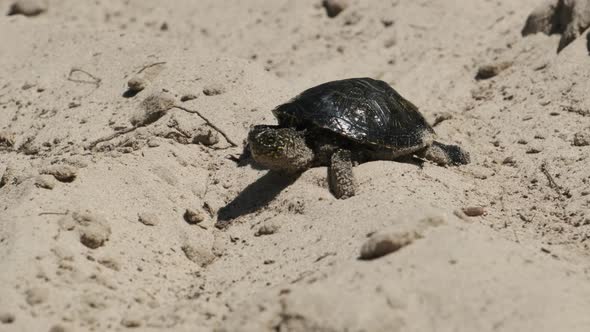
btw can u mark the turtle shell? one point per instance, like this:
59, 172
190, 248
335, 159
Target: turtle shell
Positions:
364, 110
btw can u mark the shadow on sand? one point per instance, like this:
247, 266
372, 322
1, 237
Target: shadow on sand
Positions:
254, 197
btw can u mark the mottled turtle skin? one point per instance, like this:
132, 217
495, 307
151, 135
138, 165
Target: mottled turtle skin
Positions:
346, 122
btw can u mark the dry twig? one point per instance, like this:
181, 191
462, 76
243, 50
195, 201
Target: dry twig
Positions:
210, 124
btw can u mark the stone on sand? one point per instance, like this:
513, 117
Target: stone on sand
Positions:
335, 7
151, 109
28, 7
383, 243
149, 218
582, 138
94, 229
199, 254
62, 173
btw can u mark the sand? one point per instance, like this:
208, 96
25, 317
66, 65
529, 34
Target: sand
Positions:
126, 202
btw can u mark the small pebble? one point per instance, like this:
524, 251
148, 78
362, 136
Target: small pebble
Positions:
45, 181
74, 104
214, 89
206, 136
267, 230
187, 97
28, 7
509, 161
6, 318
136, 84
387, 22
153, 143
149, 218
7, 177
491, 70
334, 7
94, 229
194, 216
58, 328
6, 140
473, 211
152, 108
62, 173
534, 149
37, 295
198, 254
381, 244
130, 322
582, 138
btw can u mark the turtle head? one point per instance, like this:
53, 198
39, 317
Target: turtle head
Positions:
447, 154
280, 149
457, 155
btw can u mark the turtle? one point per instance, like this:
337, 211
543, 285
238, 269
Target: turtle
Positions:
343, 123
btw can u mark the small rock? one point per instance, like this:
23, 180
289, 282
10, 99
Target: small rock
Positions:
194, 217
9, 176
214, 89
45, 181
63, 254
153, 143
149, 218
534, 149
491, 70
582, 138
334, 7
387, 22
509, 161
28, 7
473, 211
136, 84
198, 254
94, 229
267, 230
37, 295
381, 244
62, 173
131, 322
58, 328
187, 97
152, 109
6, 140
206, 136
74, 104
6, 318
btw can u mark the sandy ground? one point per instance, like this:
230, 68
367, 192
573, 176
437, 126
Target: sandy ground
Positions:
97, 180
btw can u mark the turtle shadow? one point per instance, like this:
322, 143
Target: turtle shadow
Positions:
254, 197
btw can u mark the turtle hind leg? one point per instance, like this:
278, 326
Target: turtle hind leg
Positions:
340, 176
443, 154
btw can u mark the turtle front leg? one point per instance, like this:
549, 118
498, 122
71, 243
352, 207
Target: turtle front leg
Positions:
340, 176
443, 154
